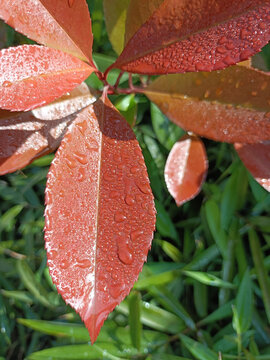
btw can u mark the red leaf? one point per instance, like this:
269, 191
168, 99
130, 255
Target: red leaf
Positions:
59, 24
256, 158
186, 169
31, 76
231, 105
195, 35
27, 136
100, 214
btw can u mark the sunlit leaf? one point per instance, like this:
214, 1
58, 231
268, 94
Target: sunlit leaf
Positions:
186, 169
139, 11
100, 214
115, 13
63, 25
232, 105
196, 35
31, 76
26, 136
256, 157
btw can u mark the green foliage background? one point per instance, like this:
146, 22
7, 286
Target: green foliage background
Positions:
204, 293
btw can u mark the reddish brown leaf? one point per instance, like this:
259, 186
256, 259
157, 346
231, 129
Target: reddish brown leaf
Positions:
63, 25
231, 105
186, 169
194, 35
31, 76
100, 214
256, 158
27, 136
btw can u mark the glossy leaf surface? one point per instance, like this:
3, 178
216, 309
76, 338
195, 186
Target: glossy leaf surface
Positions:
256, 157
186, 169
63, 25
115, 13
100, 214
26, 136
31, 76
231, 105
193, 35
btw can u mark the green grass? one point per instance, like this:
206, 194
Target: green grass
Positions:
204, 293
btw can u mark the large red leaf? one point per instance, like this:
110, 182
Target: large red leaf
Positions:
61, 24
186, 169
29, 135
100, 214
195, 35
231, 105
31, 76
256, 157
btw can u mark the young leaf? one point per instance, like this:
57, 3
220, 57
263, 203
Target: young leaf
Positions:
183, 36
256, 157
27, 136
62, 25
31, 76
115, 13
100, 214
230, 105
186, 169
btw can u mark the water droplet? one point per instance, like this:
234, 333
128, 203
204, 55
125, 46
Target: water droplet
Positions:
114, 194
71, 163
254, 93
134, 169
245, 54
7, 84
262, 25
124, 254
92, 145
221, 50
119, 217
81, 174
136, 234
229, 60
129, 200
264, 85
70, 3
107, 176
81, 158
82, 126
244, 34
84, 263
144, 188
207, 94
64, 264
116, 290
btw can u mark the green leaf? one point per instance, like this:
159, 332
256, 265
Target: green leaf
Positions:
7, 220
244, 303
234, 195
164, 223
134, 302
59, 329
199, 351
77, 352
166, 131
261, 272
213, 219
28, 278
171, 303
208, 279
221, 313
156, 318
115, 13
